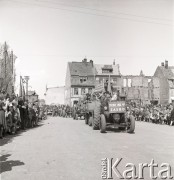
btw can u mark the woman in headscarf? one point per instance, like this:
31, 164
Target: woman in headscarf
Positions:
3, 124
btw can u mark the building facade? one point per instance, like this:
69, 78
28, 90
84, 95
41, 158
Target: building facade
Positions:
137, 87
80, 80
110, 73
165, 73
32, 97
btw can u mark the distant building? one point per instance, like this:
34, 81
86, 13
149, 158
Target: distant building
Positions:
79, 80
154, 90
137, 87
165, 73
55, 95
41, 102
32, 96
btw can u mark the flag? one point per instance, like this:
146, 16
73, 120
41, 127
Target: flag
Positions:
109, 84
20, 89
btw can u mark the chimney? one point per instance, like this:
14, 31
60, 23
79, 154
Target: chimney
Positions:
84, 60
166, 64
114, 62
162, 64
91, 61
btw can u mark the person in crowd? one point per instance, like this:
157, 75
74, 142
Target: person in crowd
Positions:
3, 124
22, 113
9, 119
172, 116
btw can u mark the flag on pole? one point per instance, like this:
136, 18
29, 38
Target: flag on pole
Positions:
22, 89
109, 84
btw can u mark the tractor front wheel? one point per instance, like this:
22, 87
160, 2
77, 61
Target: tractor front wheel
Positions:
102, 123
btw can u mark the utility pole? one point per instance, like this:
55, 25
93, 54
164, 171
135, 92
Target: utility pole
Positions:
26, 80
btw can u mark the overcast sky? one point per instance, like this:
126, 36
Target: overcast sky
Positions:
46, 34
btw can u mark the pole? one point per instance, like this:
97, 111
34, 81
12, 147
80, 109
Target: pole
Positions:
26, 78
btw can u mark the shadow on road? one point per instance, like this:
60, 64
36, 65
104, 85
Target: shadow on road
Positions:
8, 138
116, 130
6, 165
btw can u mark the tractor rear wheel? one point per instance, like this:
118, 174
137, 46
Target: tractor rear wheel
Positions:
96, 119
131, 126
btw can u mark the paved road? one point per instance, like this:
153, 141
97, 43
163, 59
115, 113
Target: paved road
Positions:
70, 150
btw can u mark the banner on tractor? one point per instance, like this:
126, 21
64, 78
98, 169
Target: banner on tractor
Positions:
117, 107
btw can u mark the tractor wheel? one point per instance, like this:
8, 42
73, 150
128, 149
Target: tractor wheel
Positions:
90, 121
96, 120
102, 123
131, 126
86, 118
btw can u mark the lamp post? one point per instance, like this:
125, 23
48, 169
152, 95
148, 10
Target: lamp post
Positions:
26, 80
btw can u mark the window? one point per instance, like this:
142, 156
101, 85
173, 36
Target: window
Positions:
83, 91
83, 79
129, 82
124, 82
76, 91
114, 80
107, 70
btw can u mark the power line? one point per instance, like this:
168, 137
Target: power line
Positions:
118, 13
75, 11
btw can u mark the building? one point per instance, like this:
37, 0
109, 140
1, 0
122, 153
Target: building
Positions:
54, 95
106, 72
137, 87
165, 73
32, 97
154, 90
79, 80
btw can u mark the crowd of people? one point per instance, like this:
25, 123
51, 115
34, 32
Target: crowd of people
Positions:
158, 114
60, 110
17, 114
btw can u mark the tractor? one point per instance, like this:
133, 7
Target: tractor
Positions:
109, 110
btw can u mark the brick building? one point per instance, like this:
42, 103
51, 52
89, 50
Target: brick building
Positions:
79, 80
165, 73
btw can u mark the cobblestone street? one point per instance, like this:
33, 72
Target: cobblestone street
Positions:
63, 148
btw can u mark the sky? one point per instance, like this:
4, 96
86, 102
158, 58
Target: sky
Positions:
46, 34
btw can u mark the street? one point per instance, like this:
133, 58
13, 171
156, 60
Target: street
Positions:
63, 148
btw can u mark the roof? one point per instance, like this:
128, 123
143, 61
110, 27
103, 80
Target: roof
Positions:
168, 72
99, 67
81, 69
